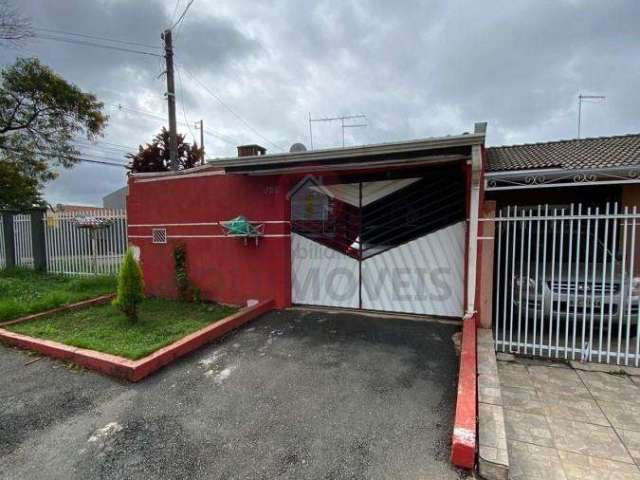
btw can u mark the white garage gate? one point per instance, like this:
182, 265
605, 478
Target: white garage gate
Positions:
394, 245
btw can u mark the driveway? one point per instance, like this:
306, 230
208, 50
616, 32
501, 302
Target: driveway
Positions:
293, 395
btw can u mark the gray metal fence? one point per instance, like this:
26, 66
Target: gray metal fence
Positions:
22, 241
3, 249
87, 243
90, 242
567, 283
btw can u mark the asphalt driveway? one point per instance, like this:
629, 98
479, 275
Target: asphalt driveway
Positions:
293, 395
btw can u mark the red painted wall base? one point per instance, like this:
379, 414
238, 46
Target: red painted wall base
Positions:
464, 441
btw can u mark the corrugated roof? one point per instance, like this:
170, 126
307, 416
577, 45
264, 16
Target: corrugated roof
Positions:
601, 152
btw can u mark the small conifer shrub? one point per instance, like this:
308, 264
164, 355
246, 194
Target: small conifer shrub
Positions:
130, 286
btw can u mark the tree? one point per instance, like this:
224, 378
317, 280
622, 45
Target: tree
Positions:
155, 156
13, 26
41, 114
130, 286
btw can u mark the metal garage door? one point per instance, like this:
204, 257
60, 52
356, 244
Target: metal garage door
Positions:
394, 244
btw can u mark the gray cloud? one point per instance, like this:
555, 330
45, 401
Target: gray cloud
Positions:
415, 68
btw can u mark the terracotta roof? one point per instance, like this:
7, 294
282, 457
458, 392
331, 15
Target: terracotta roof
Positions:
601, 152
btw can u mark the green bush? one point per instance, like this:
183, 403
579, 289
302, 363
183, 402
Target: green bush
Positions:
182, 276
130, 287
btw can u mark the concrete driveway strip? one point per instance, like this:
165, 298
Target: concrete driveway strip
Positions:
294, 395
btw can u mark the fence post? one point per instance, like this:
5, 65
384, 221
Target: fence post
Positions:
38, 240
485, 273
9, 239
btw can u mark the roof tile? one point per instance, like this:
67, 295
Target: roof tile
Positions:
601, 152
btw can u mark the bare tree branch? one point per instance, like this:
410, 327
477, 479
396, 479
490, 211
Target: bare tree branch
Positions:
13, 26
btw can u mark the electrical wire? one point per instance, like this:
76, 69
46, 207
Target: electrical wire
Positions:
245, 122
219, 136
93, 44
95, 37
184, 112
75, 158
181, 18
175, 11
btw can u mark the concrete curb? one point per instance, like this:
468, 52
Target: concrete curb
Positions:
493, 456
136, 370
464, 441
73, 306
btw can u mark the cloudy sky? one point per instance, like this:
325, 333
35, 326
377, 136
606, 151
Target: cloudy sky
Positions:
416, 69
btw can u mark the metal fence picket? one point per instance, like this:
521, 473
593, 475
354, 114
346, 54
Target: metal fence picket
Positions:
567, 282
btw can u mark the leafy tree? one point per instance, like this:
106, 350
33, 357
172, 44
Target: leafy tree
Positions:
155, 156
40, 116
130, 286
17, 190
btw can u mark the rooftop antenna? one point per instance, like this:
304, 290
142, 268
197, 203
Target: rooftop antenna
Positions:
340, 119
582, 98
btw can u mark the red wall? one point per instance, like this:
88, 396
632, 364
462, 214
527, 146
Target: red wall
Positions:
224, 269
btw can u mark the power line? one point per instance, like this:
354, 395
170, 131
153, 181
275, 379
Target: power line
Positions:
75, 158
175, 11
95, 37
93, 44
184, 112
220, 136
111, 144
177, 22
245, 122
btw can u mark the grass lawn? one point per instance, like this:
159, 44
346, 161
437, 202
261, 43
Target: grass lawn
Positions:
105, 329
23, 292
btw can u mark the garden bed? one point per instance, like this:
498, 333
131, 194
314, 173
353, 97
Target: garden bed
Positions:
24, 292
105, 329
101, 338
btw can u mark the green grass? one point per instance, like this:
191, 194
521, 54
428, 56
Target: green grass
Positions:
23, 292
105, 329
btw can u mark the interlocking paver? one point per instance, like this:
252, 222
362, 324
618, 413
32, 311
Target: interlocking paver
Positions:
533, 462
588, 439
522, 399
583, 467
611, 388
622, 414
527, 427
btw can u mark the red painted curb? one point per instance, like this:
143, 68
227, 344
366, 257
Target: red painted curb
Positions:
136, 370
73, 306
463, 444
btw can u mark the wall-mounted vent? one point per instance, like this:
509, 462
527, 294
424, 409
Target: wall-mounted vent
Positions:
159, 235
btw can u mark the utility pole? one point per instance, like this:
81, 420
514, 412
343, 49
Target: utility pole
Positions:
171, 99
580, 100
200, 125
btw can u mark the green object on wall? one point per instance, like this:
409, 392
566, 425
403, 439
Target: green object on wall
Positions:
240, 226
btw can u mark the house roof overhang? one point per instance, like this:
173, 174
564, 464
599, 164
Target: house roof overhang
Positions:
397, 154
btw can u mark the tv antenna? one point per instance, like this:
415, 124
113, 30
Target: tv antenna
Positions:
582, 98
340, 119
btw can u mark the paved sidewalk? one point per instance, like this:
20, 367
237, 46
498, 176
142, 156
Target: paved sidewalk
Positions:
570, 424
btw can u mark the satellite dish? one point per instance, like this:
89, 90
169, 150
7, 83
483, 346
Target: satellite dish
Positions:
297, 147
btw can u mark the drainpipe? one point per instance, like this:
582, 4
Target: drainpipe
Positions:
474, 209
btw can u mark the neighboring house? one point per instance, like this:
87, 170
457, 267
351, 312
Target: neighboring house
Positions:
591, 170
80, 209
116, 200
